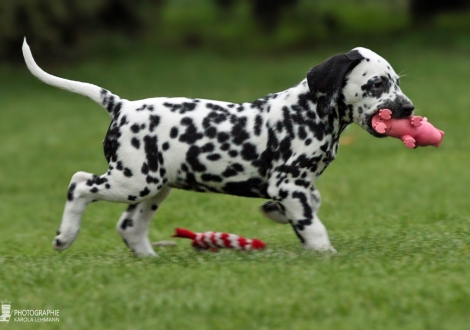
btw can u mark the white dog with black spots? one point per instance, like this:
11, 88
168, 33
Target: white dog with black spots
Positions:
274, 147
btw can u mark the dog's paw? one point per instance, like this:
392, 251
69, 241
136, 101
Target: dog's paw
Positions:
145, 254
324, 248
62, 242
59, 244
272, 212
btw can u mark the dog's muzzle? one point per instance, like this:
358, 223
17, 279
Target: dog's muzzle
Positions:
400, 109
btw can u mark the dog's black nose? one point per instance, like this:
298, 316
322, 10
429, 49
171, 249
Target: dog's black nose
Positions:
407, 109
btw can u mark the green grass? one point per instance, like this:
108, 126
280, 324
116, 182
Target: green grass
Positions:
399, 218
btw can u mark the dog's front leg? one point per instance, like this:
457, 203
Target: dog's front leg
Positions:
300, 206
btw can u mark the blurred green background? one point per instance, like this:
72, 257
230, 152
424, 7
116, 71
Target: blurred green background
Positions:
398, 218
75, 27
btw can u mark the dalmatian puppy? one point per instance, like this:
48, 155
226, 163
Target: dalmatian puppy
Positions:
274, 147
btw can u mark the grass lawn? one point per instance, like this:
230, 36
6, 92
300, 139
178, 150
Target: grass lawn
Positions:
398, 218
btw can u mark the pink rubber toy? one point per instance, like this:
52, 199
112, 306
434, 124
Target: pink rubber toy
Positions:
414, 131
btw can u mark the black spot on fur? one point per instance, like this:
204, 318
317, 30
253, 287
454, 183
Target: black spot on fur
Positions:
239, 134
123, 121
213, 157
127, 223
131, 198
211, 177
165, 146
144, 192
135, 143
154, 121
285, 148
287, 122
229, 172
306, 206
95, 179
111, 142
70, 191
258, 125
289, 169
302, 183
250, 188
135, 128
191, 135
259, 103
215, 107
145, 168
301, 224
127, 172
208, 147
180, 107
174, 132
249, 151
131, 207
222, 137
154, 207
192, 157
110, 105
232, 170
211, 132
117, 109
151, 152
151, 179
301, 133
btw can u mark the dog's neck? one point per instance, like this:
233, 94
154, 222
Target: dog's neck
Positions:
298, 102
337, 118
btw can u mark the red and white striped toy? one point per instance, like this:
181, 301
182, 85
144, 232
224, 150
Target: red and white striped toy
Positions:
211, 240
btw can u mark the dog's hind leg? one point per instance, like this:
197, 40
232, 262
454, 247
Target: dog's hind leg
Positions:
85, 188
134, 222
274, 211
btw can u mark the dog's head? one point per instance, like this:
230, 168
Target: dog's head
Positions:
361, 83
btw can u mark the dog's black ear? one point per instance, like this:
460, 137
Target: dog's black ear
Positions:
326, 80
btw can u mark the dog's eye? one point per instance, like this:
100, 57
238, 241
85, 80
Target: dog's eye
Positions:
378, 84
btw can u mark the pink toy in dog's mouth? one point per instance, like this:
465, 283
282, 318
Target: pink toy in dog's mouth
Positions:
414, 131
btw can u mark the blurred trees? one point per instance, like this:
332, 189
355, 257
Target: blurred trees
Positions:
222, 24
52, 23
423, 11
267, 13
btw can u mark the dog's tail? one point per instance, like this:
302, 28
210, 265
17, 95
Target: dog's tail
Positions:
106, 99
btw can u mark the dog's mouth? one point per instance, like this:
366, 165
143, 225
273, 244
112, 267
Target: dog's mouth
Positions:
370, 128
